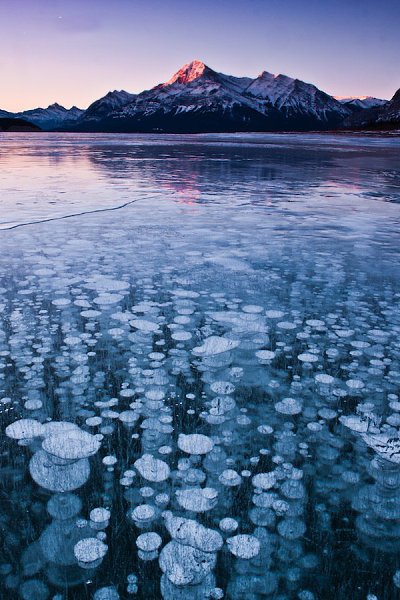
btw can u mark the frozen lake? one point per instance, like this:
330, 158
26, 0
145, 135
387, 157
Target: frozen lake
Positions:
199, 367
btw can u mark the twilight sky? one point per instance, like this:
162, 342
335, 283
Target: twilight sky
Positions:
74, 51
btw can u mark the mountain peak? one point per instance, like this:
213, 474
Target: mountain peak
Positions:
189, 72
56, 105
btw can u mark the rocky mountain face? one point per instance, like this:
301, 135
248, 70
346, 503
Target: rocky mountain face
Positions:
198, 99
113, 101
386, 116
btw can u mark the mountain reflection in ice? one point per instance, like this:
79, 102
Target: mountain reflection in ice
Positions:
199, 392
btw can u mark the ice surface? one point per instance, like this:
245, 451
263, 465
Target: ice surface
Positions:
208, 378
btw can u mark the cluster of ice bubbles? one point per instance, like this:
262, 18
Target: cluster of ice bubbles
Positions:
207, 443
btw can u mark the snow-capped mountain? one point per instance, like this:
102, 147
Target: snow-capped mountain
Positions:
386, 116
199, 99
361, 102
112, 101
51, 117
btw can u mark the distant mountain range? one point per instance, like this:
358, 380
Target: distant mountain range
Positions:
52, 117
386, 116
199, 99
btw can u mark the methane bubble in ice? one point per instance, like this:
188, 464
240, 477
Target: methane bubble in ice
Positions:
244, 546
152, 469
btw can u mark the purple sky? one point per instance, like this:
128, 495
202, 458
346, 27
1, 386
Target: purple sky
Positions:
74, 51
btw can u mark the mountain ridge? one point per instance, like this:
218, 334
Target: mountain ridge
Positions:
198, 99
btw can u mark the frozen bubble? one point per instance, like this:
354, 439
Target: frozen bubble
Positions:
195, 443
355, 384
344, 333
293, 489
214, 345
64, 506
264, 499
313, 426
148, 542
143, 514
274, 314
162, 500
59, 428
101, 283
25, 429
33, 404
185, 565
252, 308
89, 551
222, 387
100, 515
93, 421
263, 517
396, 579
308, 357
265, 429
221, 405
109, 460
180, 293
152, 469
244, 546
286, 325
315, 323
327, 413
291, 528
181, 336
265, 354
230, 478
324, 378
264, 481
192, 533
61, 302
58, 478
107, 299
73, 445
197, 499
228, 525
144, 325
90, 314
289, 406
106, 593
34, 589
128, 417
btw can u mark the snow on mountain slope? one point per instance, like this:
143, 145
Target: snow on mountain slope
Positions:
361, 102
295, 96
111, 101
196, 90
51, 117
386, 116
270, 87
